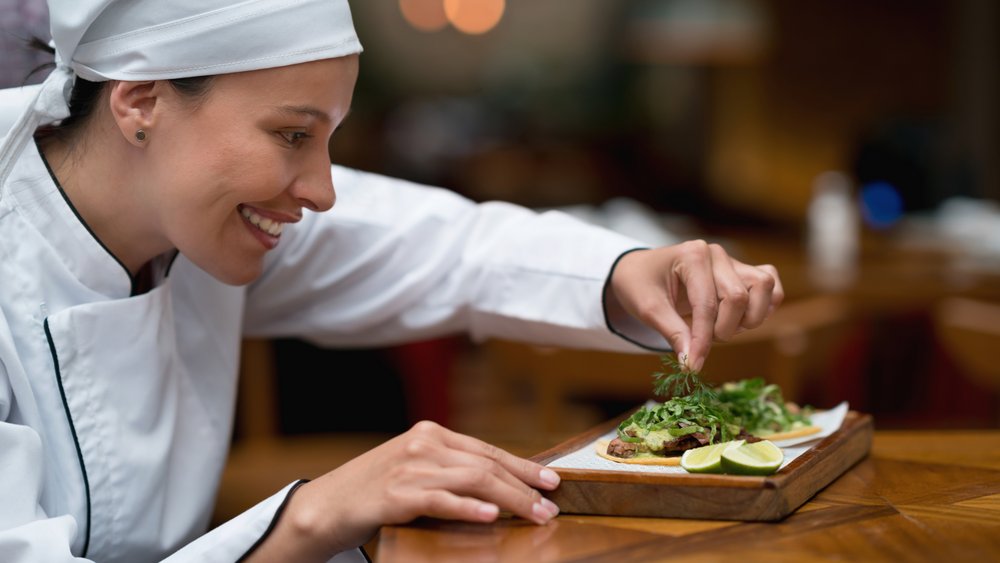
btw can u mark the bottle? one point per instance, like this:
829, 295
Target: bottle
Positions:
833, 232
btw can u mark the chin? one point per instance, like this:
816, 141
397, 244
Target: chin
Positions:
235, 276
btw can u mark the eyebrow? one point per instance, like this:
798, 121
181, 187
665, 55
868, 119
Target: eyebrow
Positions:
306, 110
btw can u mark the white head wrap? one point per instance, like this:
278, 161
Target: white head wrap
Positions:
163, 39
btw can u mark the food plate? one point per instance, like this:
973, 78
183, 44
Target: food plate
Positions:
592, 485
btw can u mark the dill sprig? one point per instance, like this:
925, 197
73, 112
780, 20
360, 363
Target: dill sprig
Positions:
676, 380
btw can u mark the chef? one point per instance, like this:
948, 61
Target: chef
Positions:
162, 195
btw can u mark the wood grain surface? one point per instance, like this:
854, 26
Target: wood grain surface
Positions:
918, 496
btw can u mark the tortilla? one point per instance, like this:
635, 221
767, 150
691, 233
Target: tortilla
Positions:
601, 448
797, 433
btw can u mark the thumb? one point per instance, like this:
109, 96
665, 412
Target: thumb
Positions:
674, 328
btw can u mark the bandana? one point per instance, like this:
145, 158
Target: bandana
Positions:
164, 39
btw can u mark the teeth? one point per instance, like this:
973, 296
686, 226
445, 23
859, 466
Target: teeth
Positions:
269, 226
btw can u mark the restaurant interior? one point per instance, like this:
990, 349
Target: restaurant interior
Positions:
854, 145
851, 144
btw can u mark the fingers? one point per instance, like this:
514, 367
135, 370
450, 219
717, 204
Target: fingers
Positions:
472, 469
731, 290
468, 493
664, 318
445, 456
778, 293
723, 296
696, 273
761, 286
439, 503
529, 472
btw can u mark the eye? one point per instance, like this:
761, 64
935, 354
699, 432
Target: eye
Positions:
294, 138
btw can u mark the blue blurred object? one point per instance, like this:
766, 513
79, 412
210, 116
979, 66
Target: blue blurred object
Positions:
923, 161
881, 204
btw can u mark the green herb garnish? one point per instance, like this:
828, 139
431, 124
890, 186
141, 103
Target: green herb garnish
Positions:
676, 380
759, 407
692, 406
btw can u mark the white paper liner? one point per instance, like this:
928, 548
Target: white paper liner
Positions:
586, 458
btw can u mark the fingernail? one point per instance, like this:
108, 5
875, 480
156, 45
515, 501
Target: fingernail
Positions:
551, 506
540, 513
488, 512
549, 477
696, 365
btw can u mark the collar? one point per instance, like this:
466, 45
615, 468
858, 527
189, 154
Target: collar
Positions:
38, 198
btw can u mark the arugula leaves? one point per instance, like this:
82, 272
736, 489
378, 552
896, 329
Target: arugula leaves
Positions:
760, 407
691, 405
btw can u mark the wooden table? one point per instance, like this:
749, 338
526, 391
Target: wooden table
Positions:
918, 496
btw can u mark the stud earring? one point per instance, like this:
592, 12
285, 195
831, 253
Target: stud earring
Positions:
140, 135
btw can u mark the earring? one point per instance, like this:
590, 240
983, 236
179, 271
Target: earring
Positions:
140, 135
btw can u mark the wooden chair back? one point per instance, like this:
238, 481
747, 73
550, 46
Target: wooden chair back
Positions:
969, 330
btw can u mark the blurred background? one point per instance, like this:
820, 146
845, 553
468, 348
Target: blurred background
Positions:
853, 144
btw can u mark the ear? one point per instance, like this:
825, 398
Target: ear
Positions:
134, 106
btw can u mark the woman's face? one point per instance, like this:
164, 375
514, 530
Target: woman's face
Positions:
227, 172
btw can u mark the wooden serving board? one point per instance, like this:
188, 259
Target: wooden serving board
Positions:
712, 497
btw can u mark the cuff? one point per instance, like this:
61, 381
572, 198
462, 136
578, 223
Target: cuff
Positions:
624, 325
274, 520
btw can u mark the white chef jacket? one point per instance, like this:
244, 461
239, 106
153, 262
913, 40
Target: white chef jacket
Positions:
116, 409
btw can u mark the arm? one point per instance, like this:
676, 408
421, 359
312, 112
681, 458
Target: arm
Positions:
32, 531
428, 471
397, 261
394, 261
27, 534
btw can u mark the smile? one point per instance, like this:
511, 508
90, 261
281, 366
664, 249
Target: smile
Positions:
266, 225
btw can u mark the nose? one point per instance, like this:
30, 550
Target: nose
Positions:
313, 189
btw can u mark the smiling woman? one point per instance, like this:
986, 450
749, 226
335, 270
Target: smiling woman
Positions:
173, 204
254, 146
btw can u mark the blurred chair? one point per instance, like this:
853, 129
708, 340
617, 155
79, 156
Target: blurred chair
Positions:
261, 459
791, 349
969, 330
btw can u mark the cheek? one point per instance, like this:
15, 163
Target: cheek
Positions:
252, 168
227, 175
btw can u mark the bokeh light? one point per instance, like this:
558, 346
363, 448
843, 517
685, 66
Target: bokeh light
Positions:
474, 16
881, 204
424, 15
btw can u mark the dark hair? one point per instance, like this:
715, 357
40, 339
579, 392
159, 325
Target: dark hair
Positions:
86, 94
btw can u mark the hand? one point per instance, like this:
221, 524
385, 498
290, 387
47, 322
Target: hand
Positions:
427, 471
694, 293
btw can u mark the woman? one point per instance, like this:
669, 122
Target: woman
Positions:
174, 204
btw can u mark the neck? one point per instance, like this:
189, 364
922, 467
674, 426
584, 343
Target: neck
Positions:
100, 175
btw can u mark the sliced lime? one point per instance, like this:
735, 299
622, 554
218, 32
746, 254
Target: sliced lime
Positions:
706, 459
759, 458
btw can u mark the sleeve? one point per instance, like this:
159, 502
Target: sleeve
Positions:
27, 534
237, 538
395, 261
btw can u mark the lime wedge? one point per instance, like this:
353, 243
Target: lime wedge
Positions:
707, 459
759, 458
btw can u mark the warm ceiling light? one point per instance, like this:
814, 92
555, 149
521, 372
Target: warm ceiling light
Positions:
474, 16
425, 15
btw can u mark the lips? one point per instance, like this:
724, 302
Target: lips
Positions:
270, 226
